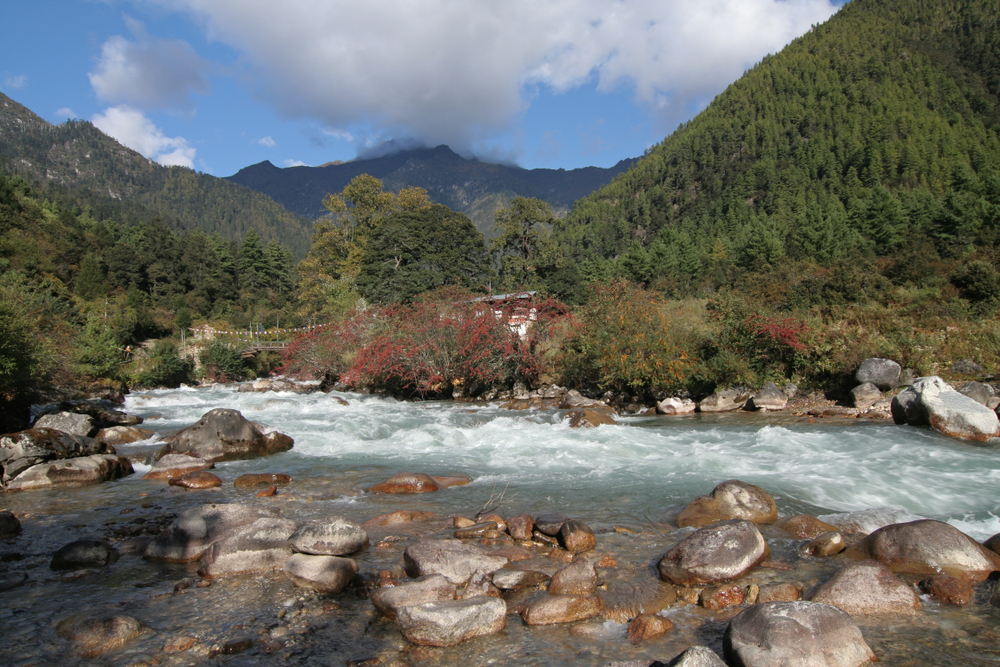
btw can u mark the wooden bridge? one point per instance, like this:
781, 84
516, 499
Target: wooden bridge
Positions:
253, 349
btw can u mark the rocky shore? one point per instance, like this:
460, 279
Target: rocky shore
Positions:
195, 564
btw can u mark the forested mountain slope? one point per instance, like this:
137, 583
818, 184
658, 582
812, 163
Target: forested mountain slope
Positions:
132, 188
477, 189
873, 136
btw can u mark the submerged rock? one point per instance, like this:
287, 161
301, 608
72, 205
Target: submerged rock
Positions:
648, 626
451, 622
795, 633
591, 417
930, 401
325, 574
191, 534
730, 500
577, 578
720, 552
950, 590
576, 536
92, 636
261, 546
199, 479
867, 587
457, 561
406, 482
175, 465
827, 544
250, 481
552, 609
87, 552
429, 588
804, 526
10, 526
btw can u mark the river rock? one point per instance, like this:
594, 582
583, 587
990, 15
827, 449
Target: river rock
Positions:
624, 600
175, 465
87, 552
928, 547
576, 536
68, 422
20, 451
552, 609
92, 636
931, 401
11, 580
225, 435
795, 633
336, 536
676, 406
950, 590
430, 588
781, 592
451, 622
81, 471
804, 527
865, 588
697, 656
827, 544
573, 400
406, 482
716, 598
549, 524
577, 578
725, 400
979, 392
10, 526
194, 531
591, 417
512, 580
398, 517
478, 530
730, 500
261, 546
520, 526
250, 481
966, 367
325, 574
993, 544
457, 561
720, 552
123, 435
768, 398
448, 481
865, 395
883, 373
199, 479
648, 626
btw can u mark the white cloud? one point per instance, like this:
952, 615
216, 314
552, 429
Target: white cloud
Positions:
461, 73
148, 72
294, 163
131, 128
65, 113
14, 82
267, 141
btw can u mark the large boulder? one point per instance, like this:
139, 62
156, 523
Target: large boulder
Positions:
730, 500
930, 401
451, 622
676, 406
20, 451
457, 561
430, 588
928, 547
725, 400
768, 398
225, 435
978, 391
68, 422
865, 395
883, 373
194, 531
82, 471
795, 633
261, 546
719, 552
335, 537
867, 587
324, 574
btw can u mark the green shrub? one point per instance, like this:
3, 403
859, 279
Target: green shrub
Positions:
167, 368
223, 363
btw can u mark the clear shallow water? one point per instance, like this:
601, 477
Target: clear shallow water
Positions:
637, 475
644, 471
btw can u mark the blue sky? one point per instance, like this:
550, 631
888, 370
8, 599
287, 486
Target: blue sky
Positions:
217, 85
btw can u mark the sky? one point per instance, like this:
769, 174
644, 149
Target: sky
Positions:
218, 85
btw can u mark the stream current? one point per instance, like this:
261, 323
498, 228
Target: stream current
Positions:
626, 481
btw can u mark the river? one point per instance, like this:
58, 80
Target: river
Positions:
630, 478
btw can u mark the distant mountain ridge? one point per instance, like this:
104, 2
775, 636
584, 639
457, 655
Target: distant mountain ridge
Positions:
474, 188
129, 187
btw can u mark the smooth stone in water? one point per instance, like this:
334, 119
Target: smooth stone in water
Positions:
720, 552
930, 401
549, 524
553, 609
335, 537
261, 546
397, 518
223, 434
431, 588
520, 526
451, 622
577, 578
624, 600
591, 417
725, 400
865, 588
82, 471
10, 526
249, 481
194, 531
325, 574
697, 656
577, 537
720, 597
476, 530
406, 482
795, 633
457, 561
950, 590
782, 592
88, 552
92, 636
511, 580
676, 406
827, 544
196, 480
175, 465
648, 626
12, 580
804, 527
730, 500
123, 435
22, 450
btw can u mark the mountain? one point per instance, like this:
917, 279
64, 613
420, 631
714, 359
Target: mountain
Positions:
127, 186
474, 188
872, 139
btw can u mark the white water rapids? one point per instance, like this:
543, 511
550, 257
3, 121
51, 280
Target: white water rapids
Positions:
641, 471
